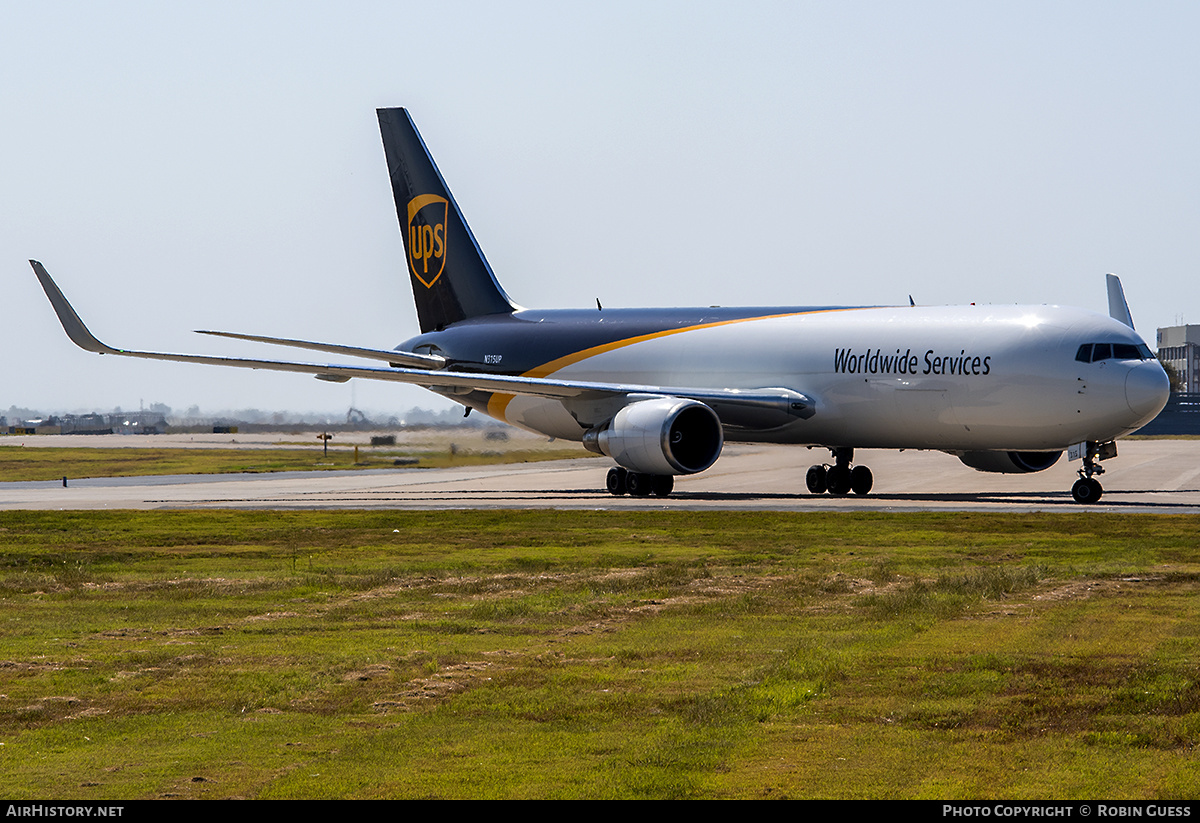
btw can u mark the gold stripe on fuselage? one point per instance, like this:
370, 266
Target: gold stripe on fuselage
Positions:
498, 404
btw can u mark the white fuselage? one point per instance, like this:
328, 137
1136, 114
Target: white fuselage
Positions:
952, 378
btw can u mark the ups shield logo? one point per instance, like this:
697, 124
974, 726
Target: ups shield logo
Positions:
426, 238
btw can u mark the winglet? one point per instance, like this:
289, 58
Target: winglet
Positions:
1118, 309
71, 323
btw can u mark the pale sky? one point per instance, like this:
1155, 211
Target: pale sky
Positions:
218, 165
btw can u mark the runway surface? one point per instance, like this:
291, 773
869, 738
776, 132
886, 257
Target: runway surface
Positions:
1148, 476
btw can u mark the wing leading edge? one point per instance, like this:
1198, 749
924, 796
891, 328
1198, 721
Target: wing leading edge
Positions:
756, 408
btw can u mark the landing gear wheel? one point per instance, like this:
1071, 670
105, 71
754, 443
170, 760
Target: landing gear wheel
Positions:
861, 479
1086, 490
664, 484
639, 485
616, 481
816, 480
839, 480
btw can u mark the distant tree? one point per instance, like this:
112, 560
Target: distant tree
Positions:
1173, 376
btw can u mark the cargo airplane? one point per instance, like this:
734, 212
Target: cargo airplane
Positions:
659, 391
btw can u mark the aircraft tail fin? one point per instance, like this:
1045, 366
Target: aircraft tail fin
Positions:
450, 277
1118, 309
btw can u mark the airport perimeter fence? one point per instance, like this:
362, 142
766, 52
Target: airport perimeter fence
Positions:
1181, 416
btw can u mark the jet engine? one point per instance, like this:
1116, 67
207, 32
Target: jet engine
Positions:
660, 436
1010, 462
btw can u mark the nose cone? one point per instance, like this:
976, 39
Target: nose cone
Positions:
1147, 390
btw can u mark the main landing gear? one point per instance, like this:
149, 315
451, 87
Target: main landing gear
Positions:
621, 481
839, 479
1087, 489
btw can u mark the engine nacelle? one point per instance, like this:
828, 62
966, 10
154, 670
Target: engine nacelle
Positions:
663, 435
1010, 462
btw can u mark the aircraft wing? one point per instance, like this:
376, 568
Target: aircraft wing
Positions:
754, 408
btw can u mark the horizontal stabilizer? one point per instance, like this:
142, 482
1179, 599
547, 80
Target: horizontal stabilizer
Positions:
395, 358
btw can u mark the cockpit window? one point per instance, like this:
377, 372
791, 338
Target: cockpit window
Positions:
1095, 352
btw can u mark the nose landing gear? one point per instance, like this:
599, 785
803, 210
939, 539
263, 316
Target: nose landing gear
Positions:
839, 479
1086, 488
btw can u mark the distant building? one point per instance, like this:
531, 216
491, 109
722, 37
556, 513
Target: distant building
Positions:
138, 422
85, 424
1180, 346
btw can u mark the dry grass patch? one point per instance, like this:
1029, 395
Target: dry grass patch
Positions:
552, 654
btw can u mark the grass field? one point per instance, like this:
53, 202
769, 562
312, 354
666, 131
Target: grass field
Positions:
553, 654
18, 463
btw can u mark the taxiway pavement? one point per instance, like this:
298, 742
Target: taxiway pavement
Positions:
1148, 476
